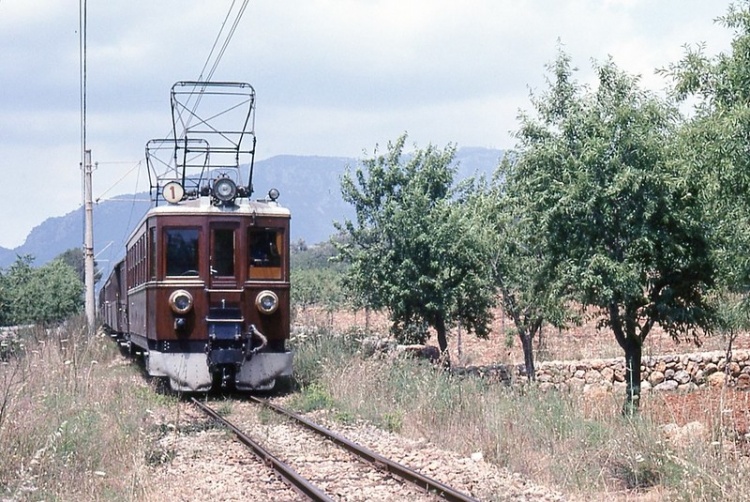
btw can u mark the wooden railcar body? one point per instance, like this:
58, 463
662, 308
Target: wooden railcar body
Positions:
232, 261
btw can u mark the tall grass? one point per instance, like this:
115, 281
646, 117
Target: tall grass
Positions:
583, 447
72, 419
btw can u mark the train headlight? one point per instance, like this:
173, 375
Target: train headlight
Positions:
267, 302
180, 301
224, 190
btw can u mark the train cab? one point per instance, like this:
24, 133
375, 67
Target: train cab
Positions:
208, 289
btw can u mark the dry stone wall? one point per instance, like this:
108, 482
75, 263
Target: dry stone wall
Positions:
668, 372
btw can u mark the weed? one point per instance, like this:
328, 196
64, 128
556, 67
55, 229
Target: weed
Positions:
224, 409
313, 397
392, 422
344, 417
64, 415
267, 416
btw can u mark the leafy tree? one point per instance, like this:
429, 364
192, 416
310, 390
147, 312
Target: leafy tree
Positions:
623, 228
414, 248
46, 294
16, 279
316, 279
318, 286
518, 260
716, 141
4, 301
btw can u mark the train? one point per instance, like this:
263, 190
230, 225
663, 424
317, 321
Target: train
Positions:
203, 291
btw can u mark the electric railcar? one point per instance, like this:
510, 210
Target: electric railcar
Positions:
203, 290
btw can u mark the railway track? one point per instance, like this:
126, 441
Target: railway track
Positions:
368, 460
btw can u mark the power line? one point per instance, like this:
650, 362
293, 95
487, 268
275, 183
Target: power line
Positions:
220, 55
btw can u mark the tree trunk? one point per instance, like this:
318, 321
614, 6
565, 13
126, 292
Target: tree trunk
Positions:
633, 351
442, 340
528, 354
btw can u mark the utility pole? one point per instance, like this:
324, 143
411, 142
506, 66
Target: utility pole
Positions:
88, 219
88, 241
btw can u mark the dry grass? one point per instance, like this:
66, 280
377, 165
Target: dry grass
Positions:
73, 419
580, 444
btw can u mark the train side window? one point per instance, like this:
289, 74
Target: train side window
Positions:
265, 245
152, 253
222, 261
181, 251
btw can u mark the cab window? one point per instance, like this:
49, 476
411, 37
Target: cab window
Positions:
222, 261
181, 251
265, 245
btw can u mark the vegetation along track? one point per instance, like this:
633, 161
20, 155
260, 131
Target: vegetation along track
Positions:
349, 470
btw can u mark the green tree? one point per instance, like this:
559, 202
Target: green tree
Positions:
518, 260
716, 141
623, 228
46, 294
414, 248
4, 302
316, 277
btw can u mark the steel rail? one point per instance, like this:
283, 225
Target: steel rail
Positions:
430, 485
289, 475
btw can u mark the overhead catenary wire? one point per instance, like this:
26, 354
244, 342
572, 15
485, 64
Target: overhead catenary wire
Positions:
230, 34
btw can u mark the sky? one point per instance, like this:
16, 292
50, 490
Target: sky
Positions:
334, 78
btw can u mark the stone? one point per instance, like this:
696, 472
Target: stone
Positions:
592, 376
734, 369
687, 387
656, 378
544, 378
716, 379
743, 381
699, 377
666, 385
682, 377
689, 433
596, 390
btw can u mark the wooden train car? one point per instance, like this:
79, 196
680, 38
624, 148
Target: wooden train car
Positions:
203, 290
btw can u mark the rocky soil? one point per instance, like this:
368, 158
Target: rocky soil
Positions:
197, 461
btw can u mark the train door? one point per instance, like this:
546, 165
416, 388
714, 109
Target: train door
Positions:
223, 257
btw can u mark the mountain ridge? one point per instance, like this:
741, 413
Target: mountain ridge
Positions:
309, 186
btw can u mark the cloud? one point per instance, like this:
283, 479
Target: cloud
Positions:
332, 77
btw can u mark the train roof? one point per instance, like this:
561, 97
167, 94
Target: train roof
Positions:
202, 206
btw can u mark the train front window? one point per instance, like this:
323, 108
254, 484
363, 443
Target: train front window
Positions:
222, 259
182, 251
265, 245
